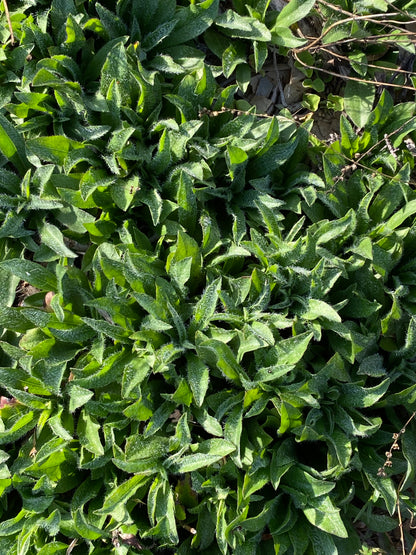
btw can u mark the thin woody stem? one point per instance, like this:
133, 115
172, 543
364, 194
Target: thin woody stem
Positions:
365, 64
369, 39
9, 23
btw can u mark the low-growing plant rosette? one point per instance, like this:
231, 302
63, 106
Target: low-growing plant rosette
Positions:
207, 317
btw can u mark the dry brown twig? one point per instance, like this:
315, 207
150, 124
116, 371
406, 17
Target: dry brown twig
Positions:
350, 77
380, 68
369, 18
315, 43
352, 19
9, 22
413, 550
370, 39
71, 546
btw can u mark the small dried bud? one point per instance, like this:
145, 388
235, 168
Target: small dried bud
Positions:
395, 436
175, 416
395, 447
388, 454
6, 401
410, 145
47, 301
381, 472
388, 463
131, 539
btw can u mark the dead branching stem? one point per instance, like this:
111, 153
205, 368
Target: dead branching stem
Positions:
382, 473
366, 64
369, 18
355, 18
349, 77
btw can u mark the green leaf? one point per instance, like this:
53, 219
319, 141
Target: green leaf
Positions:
320, 309
208, 422
161, 509
33, 273
206, 305
349, 139
379, 5
158, 35
53, 548
274, 157
84, 528
336, 228
359, 62
94, 67
260, 55
401, 215
214, 452
239, 26
219, 353
153, 200
306, 483
8, 291
186, 200
232, 56
124, 191
323, 544
283, 36
186, 247
116, 69
121, 494
89, 437
291, 350
12, 145
135, 372
13, 224
324, 515
232, 431
243, 76
78, 396
193, 20
52, 237
358, 101
107, 328
28, 399
60, 10
271, 373
10, 526
356, 396
57, 427
25, 423
294, 11
198, 378
53, 149
112, 23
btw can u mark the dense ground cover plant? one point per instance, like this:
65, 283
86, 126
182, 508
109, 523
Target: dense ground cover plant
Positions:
207, 317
